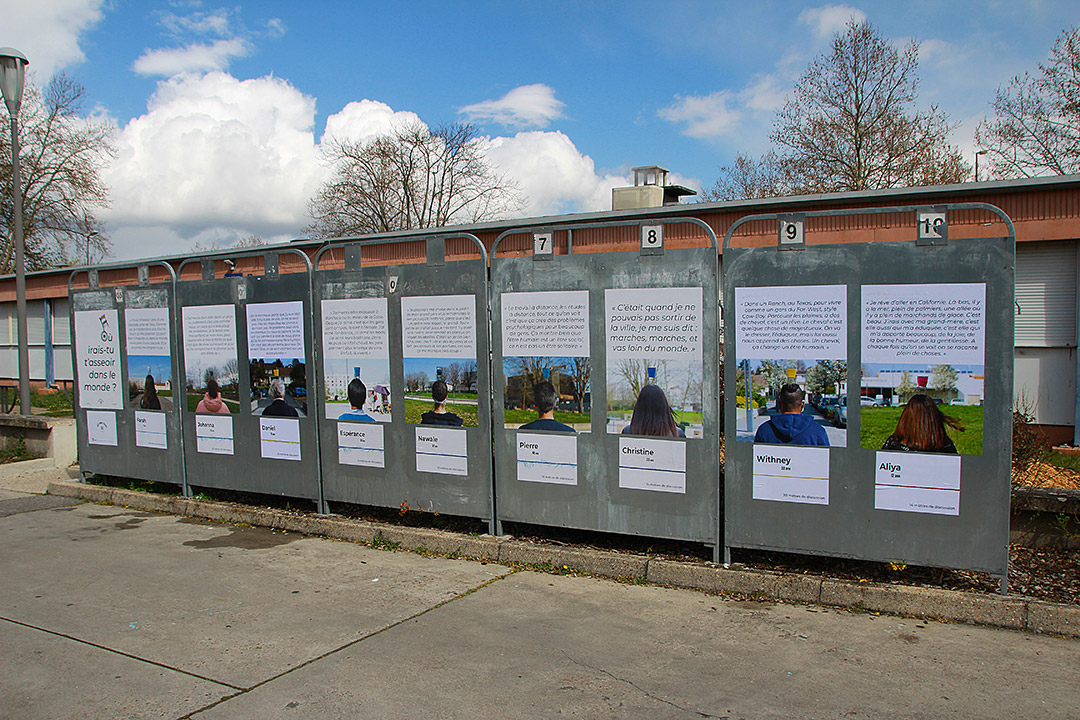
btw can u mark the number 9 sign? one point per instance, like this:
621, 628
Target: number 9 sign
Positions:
792, 230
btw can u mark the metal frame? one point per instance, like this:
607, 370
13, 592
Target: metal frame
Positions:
399, 480
126, 459
847, 528
597, 502
280, 477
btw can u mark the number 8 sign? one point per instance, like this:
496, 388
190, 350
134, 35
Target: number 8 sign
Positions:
652, 236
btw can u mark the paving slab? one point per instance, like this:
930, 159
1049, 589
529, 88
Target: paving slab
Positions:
230, 603
29, 503
532, 645
48, 676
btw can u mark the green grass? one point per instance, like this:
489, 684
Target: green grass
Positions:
520, 417
16, 453
1061, 460
879, 423
54, 403
415, 408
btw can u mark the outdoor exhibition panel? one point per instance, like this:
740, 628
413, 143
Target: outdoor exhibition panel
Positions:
244, 342
609, 330
392, 318
906, 349
126, 378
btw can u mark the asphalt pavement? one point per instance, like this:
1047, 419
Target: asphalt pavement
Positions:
110, 612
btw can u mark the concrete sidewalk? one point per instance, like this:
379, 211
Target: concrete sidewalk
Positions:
931, 603
109, 612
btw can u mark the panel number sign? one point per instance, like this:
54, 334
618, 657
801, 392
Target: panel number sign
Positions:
792, 232
543, 244
933, 226
652, 236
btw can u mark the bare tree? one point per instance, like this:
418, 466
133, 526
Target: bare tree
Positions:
412, 178
750, 178
1036, 130
580, 371
61, 159
851, 123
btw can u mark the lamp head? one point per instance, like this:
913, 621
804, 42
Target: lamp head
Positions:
12, 73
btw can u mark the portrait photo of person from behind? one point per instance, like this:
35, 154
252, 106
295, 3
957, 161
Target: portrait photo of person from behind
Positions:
439, 414
792, 426
653, 415
544, 401
357, 393
921, 428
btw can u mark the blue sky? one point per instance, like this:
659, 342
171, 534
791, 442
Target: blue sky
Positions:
220, 109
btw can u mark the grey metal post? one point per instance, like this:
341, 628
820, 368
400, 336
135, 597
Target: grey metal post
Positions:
20, 272
1076, 400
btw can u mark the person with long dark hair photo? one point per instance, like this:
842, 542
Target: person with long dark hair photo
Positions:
149, 399
653, 415
921, 428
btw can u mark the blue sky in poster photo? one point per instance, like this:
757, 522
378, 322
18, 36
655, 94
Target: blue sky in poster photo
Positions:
221, 110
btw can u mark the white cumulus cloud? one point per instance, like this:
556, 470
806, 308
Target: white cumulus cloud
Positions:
525, 106
553, 175
364, 120
215, 158
829, 19
215, 151
197, 57
704, 116
47, 33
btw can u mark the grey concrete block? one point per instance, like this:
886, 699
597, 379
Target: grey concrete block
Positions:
1044, 617
799, 588
931, 603
712, 579
594, 562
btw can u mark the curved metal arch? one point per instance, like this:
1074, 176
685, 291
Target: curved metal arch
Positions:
343, 242
249, 253
872, 211
119, 266
591, 226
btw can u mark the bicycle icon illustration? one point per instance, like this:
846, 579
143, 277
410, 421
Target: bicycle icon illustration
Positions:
106, 336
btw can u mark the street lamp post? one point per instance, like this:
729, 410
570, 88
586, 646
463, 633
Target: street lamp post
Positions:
12, 73
977, 154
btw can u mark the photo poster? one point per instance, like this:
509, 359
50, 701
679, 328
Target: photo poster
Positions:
791, 334
438, 342
210, 354
545, 336
277, 359
923, 363
97, 359
356, 345
149, 358
654, 338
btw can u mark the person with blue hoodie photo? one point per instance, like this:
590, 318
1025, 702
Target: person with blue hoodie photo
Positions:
791, 427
